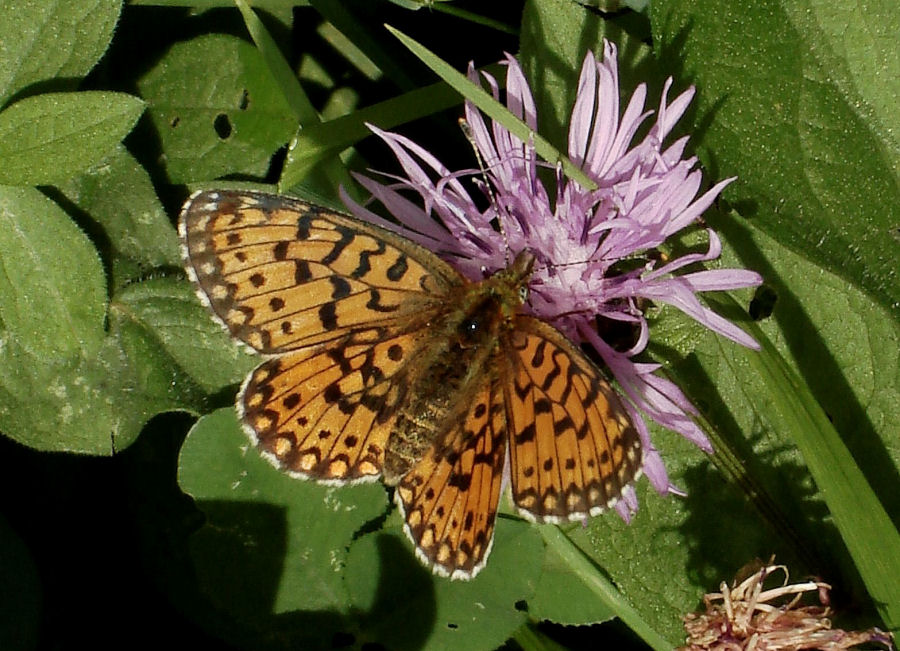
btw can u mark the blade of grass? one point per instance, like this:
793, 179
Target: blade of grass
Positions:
864, 525
472, 17
337, 13
494, 109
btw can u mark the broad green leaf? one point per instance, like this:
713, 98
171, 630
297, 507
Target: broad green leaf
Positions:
52, 289
789, 106
65, 383
117, 195
563, 597
837, 339
860, 44
57, 42
594, 587
272, 544
47, 139
405, 607
276, 545
280, 70
676, 549
96, 402
781, 492
556, 37
89, 405
144, 379
216, 108
871, 538
171, 311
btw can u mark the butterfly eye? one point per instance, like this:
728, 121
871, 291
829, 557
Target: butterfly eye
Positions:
523, 293
469, 329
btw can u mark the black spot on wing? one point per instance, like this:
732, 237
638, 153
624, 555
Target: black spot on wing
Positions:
365, 264
328, 316
302, 272
304, 223
375, 302
397, 270
340, 288
280, 251
347, 236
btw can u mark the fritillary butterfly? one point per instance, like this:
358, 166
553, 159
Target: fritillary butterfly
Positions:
385, 361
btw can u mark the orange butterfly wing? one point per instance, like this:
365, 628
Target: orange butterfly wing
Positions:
573, 447
328, 414
282, 274
449, 498
342, 303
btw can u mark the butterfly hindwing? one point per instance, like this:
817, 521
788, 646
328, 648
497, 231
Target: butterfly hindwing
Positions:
449, 498
573, 447
281, 273
327, 413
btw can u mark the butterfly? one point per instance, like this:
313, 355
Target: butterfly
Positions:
384, 361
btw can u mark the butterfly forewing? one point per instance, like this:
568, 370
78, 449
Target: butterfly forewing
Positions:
573, 446
282, 274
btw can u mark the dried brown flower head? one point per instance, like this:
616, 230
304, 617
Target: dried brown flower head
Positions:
747, 617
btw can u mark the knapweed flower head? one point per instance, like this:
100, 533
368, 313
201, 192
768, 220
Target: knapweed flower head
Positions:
585, 241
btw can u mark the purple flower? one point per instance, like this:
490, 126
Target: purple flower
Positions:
591, 246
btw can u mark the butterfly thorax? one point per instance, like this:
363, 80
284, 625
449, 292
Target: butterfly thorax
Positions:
471, 328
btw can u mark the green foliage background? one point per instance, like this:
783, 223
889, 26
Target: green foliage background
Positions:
116, 519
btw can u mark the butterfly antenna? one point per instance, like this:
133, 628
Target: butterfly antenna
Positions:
467, 132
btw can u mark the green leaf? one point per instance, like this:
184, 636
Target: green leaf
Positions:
276, 545
335, 174
832, 356
405, 607
89, 405
170, 310
49, 138
117, 196
272, 544
52, 289
872, 540
280, 70
596, 587
58, 41
767, 468
216, 108
803, 122
367, 35
563, 595
65, 384
673, 550
93, 402
556, 36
